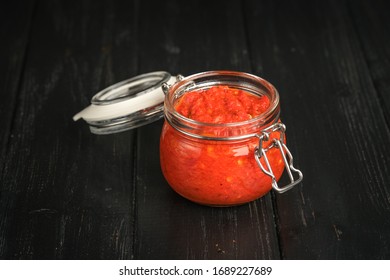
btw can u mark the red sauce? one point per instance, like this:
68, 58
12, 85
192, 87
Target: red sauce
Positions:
221, 104
217, 172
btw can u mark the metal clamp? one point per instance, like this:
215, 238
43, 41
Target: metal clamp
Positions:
165, 86
285, 152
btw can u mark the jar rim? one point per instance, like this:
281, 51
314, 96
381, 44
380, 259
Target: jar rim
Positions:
245, 81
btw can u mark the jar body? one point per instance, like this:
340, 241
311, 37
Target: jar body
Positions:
215, 173
215, 164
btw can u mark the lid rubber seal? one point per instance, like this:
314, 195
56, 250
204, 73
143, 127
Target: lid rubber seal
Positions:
128, 104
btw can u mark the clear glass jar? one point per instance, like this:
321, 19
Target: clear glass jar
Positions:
224, 164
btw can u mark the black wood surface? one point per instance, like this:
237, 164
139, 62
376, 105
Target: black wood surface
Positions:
68, 194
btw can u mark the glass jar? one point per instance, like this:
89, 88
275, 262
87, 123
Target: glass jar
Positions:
224, 164
212, 164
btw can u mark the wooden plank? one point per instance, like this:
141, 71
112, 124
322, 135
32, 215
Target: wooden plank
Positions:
187, 38
370, 19
336, 130
14, 29
66, 193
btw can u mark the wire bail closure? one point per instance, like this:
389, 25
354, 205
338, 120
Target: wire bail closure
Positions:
261, 152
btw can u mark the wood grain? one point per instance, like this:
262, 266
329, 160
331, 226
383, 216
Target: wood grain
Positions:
370, 19
15, 30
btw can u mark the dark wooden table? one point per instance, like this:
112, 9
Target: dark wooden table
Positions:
68, 194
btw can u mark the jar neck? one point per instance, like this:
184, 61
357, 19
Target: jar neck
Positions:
226, 131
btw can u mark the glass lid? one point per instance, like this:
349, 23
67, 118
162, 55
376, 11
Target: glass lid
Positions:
128, 104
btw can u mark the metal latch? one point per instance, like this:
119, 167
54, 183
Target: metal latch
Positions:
261, 152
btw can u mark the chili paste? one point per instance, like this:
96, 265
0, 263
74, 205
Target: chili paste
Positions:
217, 172
221, 104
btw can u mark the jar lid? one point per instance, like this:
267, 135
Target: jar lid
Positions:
128, 104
